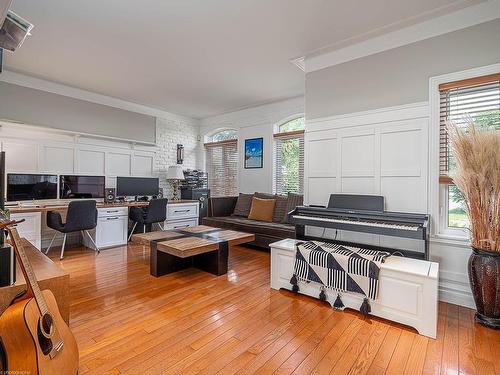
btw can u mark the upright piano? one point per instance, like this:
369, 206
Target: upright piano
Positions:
365, 214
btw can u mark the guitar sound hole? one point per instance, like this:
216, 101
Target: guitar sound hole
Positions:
47, 324
45, 343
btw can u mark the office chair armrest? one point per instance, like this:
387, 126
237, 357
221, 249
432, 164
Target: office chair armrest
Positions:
54, 220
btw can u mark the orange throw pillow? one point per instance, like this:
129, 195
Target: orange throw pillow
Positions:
262, 209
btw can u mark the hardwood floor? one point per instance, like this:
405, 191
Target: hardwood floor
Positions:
128, 322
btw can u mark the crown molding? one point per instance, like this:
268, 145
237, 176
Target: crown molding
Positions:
89, 96
461, 19
299, 62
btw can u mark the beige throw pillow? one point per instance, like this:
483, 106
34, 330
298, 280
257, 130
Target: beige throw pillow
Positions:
262, 209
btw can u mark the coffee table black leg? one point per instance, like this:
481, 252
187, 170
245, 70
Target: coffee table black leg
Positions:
214, 262
161, 263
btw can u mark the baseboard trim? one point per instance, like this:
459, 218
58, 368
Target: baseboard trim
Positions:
456, 297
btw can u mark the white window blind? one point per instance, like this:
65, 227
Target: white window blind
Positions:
289, 162
476, 99
222, 167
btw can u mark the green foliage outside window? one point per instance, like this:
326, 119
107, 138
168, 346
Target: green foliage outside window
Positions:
290, 166
457, 210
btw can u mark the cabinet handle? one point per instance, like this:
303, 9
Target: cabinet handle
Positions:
182, 210
112, 218
109, 212
181, 226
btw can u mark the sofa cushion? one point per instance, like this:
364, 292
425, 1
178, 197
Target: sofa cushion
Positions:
243, 205
279, 208
277, 230
262, 209
293, 201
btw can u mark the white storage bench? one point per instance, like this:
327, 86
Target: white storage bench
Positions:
408, 288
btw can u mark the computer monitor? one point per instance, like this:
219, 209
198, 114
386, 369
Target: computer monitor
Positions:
22, 187
80, 187
137, 186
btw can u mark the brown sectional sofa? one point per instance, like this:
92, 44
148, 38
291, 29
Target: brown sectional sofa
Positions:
220, 215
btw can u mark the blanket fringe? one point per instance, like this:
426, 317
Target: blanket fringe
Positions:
295, 285
338, 304
365, 308
322, 295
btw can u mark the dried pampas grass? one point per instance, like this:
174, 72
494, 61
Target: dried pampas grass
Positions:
477, 176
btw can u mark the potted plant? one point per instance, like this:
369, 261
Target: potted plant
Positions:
477, 176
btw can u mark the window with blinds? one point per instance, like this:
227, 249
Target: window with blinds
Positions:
289, 158
222, 167
476, 99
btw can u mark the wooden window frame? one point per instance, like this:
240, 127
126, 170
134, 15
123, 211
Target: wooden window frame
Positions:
438, 197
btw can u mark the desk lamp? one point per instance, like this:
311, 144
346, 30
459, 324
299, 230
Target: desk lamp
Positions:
175, 174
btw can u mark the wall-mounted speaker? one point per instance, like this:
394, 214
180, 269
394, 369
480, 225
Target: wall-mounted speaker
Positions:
109, 195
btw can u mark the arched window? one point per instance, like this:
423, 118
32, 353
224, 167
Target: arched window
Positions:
222, 163
223, 135
289, 157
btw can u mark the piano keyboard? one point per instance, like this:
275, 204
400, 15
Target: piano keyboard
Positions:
361, 223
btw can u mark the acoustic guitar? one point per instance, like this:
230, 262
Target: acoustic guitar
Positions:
34, 338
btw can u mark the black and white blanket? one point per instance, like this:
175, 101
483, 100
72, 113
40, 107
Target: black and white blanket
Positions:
340, 268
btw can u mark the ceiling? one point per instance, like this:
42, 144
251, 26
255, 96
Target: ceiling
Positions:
198, 57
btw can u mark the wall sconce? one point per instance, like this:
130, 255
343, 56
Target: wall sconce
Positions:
180, 154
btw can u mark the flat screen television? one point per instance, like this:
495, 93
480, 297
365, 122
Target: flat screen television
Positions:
23, 187
76, 187
137, 186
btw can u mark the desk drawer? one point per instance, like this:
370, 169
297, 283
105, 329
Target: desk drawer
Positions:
112, 211
182, 211
171, 225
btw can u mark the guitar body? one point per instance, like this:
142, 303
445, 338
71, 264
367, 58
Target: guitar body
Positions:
24, 345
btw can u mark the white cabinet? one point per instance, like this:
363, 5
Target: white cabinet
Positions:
408, 288
30, 228
182, 215
111, 230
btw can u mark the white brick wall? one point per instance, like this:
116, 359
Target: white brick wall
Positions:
170, 132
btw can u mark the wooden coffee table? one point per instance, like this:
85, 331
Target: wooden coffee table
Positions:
203, 247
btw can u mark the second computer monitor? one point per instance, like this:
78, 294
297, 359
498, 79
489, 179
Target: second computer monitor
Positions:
137, 186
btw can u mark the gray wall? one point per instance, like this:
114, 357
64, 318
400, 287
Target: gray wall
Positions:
401, 75
37, 107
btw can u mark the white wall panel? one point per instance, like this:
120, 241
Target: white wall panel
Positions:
359, 185
401, 153
91, 161
21, 156
118, 164
58, 159
358, 156
143, 164
319, 190
322, 158
406, 194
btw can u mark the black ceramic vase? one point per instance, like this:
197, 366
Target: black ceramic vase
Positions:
484, 277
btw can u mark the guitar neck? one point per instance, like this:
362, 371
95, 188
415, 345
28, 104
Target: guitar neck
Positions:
27, 270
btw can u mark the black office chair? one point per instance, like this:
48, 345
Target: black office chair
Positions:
81, 217
155, 212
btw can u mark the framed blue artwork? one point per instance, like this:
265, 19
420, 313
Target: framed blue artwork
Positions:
253, 153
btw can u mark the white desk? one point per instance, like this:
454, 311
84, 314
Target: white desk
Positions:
112, 221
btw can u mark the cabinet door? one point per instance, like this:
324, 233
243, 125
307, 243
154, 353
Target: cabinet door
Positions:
30, 228
111, 231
